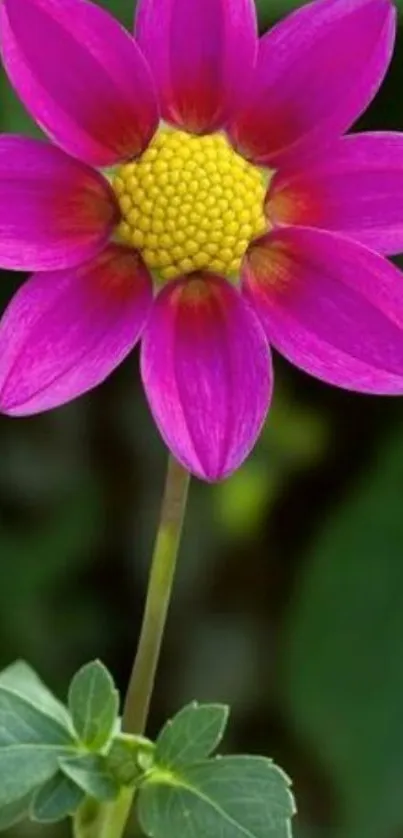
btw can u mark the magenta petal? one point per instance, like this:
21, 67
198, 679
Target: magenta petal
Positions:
355, 187
316, 72
64, 332
202, 53
54, 211
332, 307
207, 373
81, 76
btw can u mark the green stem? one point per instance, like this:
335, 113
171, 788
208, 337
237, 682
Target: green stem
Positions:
158, 598
112, 818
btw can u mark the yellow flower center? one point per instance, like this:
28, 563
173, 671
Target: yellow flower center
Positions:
190, 203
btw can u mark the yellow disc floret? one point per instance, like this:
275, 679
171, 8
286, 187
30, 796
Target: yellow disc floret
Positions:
190, 203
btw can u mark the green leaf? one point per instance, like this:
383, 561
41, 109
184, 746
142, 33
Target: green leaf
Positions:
90, 773
233, 797
93, 704
31, 743
57, 799
15, 812
23, 723
20, 678
191, 735
24, 767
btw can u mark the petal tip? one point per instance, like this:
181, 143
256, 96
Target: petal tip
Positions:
84, 102
64, 332
206, 370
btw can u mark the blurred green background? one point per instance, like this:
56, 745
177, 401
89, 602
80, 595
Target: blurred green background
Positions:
289, 601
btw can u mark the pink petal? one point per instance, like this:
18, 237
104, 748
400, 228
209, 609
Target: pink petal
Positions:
81, 76
316, 73
354, 187
54, 211
207, 373
64, 332
332, 307
202, 54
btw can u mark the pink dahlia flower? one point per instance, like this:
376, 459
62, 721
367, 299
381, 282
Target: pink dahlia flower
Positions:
241, 221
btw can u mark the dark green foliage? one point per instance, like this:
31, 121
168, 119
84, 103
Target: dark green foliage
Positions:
47, 774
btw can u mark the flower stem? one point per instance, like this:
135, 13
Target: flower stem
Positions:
158, 598
112, 817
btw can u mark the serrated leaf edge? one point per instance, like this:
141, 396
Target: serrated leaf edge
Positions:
158, 776
168, 725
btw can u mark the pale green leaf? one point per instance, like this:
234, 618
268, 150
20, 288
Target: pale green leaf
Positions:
15, 812
191, 735
24, 767
91, 774
93, 704
229, 797
23, 723
56, 800
20, 678
30, 744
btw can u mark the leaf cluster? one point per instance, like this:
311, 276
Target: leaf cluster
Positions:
58, 760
